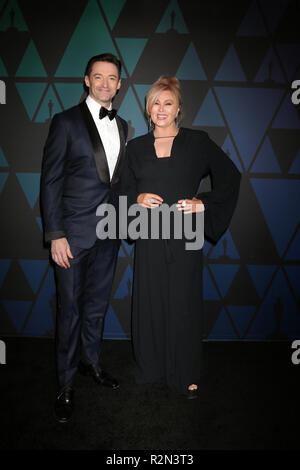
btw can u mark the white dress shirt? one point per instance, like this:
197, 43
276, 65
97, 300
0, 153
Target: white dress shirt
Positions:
109, 133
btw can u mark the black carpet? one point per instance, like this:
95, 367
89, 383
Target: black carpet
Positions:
249, 399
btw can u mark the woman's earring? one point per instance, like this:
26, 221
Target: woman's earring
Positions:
150, 123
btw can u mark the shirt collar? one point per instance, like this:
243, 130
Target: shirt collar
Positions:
93, 106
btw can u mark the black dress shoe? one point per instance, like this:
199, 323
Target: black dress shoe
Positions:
192, 394
64, 406
100, 377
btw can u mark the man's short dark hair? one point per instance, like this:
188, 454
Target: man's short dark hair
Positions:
107, 57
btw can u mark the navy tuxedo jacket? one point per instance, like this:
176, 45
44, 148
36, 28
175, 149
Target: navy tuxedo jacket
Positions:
75, 176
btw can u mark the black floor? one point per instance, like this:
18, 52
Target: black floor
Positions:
250, 399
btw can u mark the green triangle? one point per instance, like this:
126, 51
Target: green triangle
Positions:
130, 111
31, 94
44, 111
90, 38
69, 93
3, 72
179, 24
112, 10
3, 161
3, 178
131, 50
141, 92
18, 20
31, 65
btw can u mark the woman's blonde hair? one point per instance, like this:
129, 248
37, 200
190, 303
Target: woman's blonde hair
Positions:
163, 83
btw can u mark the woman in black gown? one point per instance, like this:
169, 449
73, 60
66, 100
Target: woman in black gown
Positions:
166, 166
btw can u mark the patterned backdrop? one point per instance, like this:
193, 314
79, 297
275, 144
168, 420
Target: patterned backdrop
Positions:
236, 61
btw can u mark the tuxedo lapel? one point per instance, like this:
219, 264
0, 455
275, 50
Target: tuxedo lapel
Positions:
121, 156
99, 152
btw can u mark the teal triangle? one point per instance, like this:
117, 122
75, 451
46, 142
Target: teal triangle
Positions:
295, 167
113, 329
31, 64
231, 69
3, 162
3, 178
69, 93
90, 35
4, 267
293, 273
30, 183
131, 50
209, 290
281, 222
3, 71
112, 10
293, 252
129, 247
222, 328
266, 161
179, 23
190, 67
17, 310
125, 287
209, 113
141, 91
130, 111
39, 221
270, 69
261, 276
229, 149
31, 94
225, 247
248, 128
43, 312
44, 111
241, 316
287, 116
34, 271
224, 275
252, 24
278, 314
18, 20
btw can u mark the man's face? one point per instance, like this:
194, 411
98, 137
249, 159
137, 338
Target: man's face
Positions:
103, 82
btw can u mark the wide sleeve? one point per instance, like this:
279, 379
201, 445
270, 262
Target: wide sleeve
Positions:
52, 179
221, 201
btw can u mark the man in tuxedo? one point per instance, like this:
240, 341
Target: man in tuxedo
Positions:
82, 162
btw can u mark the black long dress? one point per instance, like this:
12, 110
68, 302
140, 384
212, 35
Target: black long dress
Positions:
167, 305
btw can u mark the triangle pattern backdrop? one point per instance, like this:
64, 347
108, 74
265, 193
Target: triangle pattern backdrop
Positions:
254, 122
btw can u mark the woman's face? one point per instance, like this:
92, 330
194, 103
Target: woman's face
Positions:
164, 109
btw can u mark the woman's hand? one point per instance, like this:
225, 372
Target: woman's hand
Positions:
149, 200
189, 206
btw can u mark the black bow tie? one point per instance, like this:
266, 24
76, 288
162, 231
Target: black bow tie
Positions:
105, 112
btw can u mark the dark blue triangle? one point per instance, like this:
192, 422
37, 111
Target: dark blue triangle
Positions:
266, 161
231, 69
222, 328
224, 275
17, 310
125, 287
282, 217
209, 113
248, 128
41, 318
191, 67
270, 69
273, 11
293, 273
287, 116
293, 252
130, 110
289, 54
295, 167
241, 316
4, 267
34, 271
252, 24
3, 162
261, 276
113, 328
225, 243
229, 149
209, 290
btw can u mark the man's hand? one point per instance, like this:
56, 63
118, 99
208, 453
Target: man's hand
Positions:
60, 252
